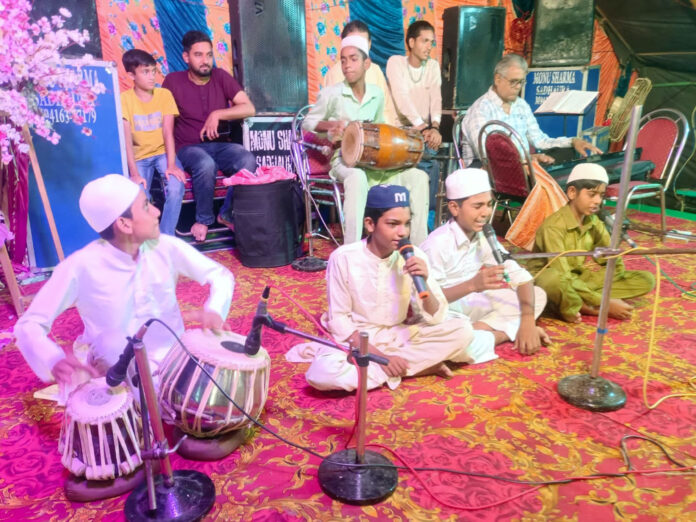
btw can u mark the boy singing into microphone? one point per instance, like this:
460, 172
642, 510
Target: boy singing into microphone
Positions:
474, 283
574, 289
370, 289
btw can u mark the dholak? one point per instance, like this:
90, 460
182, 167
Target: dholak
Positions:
101, 432
380, 146
191, 401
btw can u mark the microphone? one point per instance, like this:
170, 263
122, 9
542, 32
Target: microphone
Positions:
489, 233
609, 222
253, 340
117, 373
324, 149
406, 250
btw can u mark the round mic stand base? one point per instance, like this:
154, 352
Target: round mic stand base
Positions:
342, 481
189, 498
591, 393
309, 264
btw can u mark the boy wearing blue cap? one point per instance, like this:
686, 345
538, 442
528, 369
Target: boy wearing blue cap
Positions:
370, 289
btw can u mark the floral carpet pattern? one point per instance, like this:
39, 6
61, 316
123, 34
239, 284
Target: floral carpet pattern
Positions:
502, 418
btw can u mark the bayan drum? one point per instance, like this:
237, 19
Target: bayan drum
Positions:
191, 401
101, 432
379, 146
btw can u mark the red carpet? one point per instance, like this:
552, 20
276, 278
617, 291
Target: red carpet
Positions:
501, 418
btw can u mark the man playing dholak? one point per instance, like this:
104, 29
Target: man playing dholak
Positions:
353, 100
117, 283
473, 282
370, 289
415, 82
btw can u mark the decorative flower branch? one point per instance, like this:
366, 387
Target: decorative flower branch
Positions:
31, 68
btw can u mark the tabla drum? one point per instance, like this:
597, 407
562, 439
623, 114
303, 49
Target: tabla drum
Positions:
190, 400
101, 432
380, 146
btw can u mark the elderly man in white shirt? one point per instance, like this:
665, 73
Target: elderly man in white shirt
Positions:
117, 283
473, 282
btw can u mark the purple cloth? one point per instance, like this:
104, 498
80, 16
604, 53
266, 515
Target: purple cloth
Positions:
196, 102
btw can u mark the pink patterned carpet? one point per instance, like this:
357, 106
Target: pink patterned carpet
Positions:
502, 418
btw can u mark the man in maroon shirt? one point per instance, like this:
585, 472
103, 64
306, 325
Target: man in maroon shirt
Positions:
205, 96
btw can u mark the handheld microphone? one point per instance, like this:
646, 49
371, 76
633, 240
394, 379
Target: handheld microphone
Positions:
406, 250
253, 340
117, 373
609, 222
489, 234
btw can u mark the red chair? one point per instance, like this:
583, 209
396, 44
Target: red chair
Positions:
509, 164
662, 136
311, 156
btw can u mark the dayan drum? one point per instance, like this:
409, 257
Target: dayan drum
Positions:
191, 401
380, 146
101, 432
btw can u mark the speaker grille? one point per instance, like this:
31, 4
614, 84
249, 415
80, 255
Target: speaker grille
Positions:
269, 52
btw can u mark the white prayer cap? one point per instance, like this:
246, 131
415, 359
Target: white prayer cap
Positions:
464, 183
355, 40
588, 171
104, 199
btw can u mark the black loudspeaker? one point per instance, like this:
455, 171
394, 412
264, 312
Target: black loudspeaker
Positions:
472, 43
563, 32
269, 54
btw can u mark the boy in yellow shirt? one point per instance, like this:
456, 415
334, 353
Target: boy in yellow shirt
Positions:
148, 125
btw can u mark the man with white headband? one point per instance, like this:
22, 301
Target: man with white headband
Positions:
356, 100
473, 282
573, 288
117, 283
373, 75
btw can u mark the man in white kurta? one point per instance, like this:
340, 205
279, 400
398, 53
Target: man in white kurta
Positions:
459, 253
373, 294
115, 291
356, 100
415, 83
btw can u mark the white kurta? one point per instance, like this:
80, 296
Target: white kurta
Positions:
455, 259
114, 295
373, 295
416, 92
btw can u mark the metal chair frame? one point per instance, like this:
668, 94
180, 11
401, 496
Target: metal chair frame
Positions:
318, 190
499, 127
659, 186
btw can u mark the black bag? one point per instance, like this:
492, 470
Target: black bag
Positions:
268, 221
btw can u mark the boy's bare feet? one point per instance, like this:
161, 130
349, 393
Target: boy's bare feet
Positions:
199, 231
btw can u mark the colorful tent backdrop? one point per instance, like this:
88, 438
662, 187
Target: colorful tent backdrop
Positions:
156, 26
325, 21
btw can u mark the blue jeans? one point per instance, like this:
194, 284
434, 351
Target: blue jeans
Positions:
173, 190
432, 167
202, 161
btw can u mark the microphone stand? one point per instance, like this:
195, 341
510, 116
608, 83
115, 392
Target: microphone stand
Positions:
180, 495
590, 391
353, 476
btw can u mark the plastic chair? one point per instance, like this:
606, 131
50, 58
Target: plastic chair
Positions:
457, 137
311, 156
507, 160
662, 136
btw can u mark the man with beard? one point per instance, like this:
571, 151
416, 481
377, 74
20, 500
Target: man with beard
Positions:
207, 96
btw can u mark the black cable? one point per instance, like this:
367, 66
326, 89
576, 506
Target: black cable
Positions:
405, 468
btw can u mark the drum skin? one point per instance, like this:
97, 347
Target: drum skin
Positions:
379, 146
191, 401
101, 432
